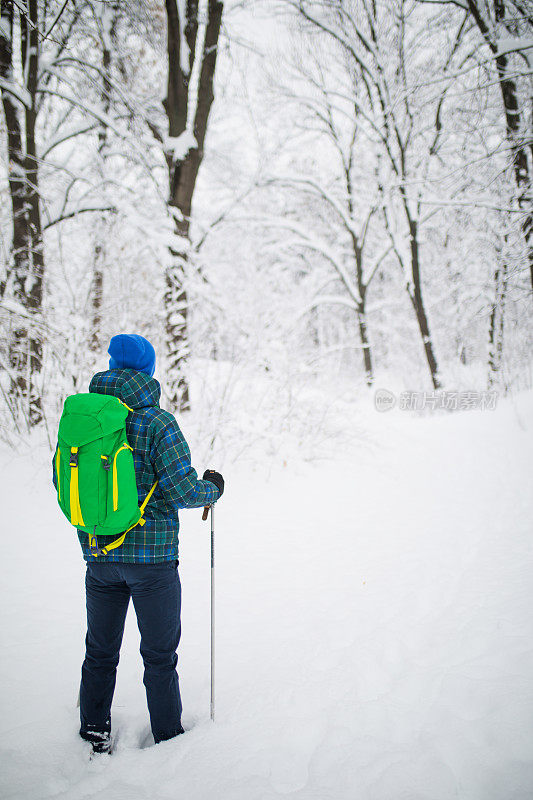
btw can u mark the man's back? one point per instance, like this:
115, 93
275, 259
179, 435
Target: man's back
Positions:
161, 454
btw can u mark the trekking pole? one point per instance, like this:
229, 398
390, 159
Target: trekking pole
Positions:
204, 517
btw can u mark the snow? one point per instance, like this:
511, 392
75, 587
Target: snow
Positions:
5, 28
16, 169
194, 80
374, 627
184, 47
180, 145
17, 91
64, 133
510, 44
14, 307
310, 240
107, 16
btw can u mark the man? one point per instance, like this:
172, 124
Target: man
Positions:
145, 566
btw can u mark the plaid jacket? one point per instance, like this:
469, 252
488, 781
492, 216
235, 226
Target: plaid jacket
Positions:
160, 453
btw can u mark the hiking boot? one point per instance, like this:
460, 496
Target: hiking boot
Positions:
100, 740
103, 745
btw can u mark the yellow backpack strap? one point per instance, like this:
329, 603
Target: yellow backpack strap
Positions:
76, 517
124, 404
103, 551
147, 498
58, 465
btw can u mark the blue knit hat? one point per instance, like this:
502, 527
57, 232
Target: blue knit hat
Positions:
131, 351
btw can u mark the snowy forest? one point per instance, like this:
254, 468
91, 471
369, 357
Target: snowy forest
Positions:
317, 211
282, 196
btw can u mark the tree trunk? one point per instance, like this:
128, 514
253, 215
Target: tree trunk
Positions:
362, 287
361, 315
183, 165
97, 293
26, 269
415, 296
34, 286
519, 157
99, 252
15, 154
518, 143
496, 326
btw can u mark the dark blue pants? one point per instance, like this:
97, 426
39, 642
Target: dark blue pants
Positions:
156, 593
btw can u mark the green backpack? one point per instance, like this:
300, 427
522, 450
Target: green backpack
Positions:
95, 475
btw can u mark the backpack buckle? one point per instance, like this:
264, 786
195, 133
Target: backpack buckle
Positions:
93, 545
73, 459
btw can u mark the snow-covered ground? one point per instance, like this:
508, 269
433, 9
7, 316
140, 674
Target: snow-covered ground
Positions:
374, 628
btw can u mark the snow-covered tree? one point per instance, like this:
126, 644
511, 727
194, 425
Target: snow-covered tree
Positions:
192, 41
23, 281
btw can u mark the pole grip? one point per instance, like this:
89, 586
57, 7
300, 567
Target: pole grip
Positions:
206, 512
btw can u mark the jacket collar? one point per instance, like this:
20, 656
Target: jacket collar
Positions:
136, 389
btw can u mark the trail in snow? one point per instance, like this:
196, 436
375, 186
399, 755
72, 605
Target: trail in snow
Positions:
374, 629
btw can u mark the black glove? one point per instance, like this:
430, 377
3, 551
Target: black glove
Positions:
215, 478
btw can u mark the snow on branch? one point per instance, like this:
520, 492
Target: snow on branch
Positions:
88, 107
318, 245
339, 300
194, 82
17, 91
76, 213
312, 185
179, 146
184, 47
64, 136
513, 44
